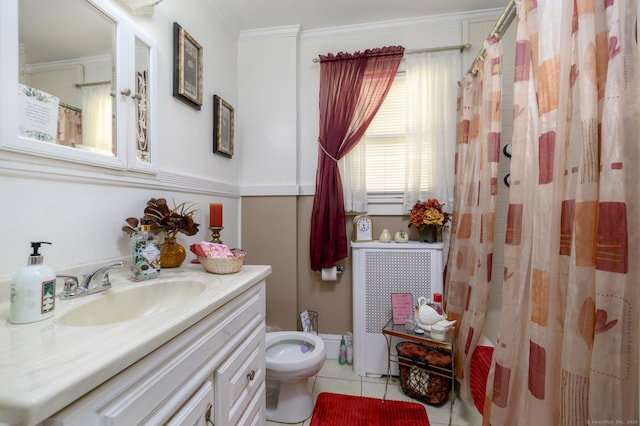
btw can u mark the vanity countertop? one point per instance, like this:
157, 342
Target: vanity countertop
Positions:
45, 366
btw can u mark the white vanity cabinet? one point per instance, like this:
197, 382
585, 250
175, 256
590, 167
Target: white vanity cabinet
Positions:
215, 371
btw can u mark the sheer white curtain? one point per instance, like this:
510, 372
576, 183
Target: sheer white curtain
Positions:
432, 88
354, 178
97, 117
427, 157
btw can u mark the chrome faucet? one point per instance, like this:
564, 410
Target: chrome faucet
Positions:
92, 282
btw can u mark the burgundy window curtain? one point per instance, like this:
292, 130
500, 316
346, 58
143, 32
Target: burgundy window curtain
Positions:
352, 88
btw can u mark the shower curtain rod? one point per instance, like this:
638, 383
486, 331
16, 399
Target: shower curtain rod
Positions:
95, 83
432, 49
72, 108
439, 49
499, 29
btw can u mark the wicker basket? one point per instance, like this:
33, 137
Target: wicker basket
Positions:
223, 265
423, 372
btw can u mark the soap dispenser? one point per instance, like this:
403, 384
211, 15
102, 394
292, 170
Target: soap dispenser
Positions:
145, 248
33, 290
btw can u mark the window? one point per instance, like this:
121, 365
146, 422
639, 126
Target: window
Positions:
407, 152
385, 143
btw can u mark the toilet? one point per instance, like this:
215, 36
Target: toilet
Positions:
288, 371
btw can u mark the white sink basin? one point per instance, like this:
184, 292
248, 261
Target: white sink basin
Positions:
118, 305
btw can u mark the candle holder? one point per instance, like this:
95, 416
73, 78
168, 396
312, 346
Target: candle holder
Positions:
215, 234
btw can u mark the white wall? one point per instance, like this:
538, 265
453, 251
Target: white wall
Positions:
80, 209
267, 92
186, 134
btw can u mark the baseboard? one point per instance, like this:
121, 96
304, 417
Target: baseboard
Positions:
332, 345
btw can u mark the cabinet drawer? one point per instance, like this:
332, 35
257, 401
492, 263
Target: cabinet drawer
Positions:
239, 378
254, 414
193, 413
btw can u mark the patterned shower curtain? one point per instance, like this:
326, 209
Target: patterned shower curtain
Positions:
468, 277
567, 350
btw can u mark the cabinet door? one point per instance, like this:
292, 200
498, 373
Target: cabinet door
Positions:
198, 410
239, 379
140, 131
254, 414
108, 90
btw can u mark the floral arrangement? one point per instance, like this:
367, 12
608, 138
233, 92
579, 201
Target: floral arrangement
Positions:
428, 213
164, 219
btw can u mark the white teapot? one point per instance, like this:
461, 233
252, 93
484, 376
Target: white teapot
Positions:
427, 316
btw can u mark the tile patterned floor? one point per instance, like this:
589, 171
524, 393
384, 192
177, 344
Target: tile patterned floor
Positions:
337, 378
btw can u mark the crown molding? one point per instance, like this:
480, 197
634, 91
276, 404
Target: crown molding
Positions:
274, 32
393, 25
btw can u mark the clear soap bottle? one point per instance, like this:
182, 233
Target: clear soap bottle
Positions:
145, 249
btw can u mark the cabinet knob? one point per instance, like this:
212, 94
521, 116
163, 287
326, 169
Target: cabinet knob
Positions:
126, 92
251, 375
137, 96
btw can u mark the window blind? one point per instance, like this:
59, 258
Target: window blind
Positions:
386, 152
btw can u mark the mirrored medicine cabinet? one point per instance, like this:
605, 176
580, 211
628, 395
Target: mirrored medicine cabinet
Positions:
78, 84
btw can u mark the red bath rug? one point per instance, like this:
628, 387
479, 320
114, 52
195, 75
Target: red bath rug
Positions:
333, 409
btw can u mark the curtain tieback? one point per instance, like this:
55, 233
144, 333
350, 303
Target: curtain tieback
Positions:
325, 151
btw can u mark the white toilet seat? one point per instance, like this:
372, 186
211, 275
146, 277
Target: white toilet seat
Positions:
290, 342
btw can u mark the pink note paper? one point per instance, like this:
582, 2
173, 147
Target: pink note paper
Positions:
402, 307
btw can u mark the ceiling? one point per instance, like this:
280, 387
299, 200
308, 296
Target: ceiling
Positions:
44, 25
316, 14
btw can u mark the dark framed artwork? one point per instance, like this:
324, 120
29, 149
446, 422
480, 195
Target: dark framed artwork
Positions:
222, 127
187, 72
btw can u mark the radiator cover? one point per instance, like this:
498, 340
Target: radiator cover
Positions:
380, 269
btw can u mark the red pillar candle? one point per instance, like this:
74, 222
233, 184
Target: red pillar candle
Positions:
215, 215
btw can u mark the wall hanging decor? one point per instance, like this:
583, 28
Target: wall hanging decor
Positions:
187, 72
222, 127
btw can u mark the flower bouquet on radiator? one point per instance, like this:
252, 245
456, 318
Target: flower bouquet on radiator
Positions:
429, 218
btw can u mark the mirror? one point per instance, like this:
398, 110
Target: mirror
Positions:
67, 75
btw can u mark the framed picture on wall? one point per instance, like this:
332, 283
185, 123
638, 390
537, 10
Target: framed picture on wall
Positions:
222, 127
187, 72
